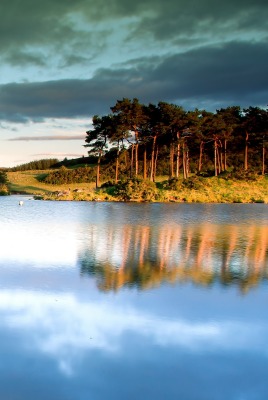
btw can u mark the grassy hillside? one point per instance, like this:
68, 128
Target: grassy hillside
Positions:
213, 189
28, 182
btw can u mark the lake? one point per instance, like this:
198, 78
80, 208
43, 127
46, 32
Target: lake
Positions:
133, 301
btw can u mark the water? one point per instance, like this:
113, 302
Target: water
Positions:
127, 301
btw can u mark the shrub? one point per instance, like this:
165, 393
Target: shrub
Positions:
241, 175
172, 184
136, 189
3, 177
3, 190
66, 176
193, 182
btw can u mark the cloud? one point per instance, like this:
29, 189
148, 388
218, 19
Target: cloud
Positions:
41, 138
58, 155
57, 326
72, 33
222, 75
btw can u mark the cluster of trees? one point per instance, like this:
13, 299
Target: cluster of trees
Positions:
45, 163
141, 138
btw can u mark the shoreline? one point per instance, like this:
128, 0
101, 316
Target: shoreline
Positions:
196, 190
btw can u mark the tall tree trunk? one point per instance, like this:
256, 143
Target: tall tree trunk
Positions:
98, 173
215, 158
263, 156
137, 159
152, 160
171, 161
187, 163
184, 160
201, 148
117, 164
155, 163
246, 152
178, 160
218, 160
144, 163
221, 160
225, 154
132, 160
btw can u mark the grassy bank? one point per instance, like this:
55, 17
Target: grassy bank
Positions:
207, 190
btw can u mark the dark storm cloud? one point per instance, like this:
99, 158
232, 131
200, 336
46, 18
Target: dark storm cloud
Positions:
56, 24
235, 73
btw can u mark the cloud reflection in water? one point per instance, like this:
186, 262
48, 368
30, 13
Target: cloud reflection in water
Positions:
64, 328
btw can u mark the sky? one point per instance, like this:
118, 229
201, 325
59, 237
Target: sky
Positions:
63, 61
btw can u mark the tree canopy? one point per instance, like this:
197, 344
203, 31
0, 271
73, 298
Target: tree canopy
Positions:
164, 138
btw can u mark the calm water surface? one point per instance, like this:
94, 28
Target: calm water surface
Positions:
133, 301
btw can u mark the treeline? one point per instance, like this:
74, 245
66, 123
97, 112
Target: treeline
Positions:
147, 140
67, 176
35, 165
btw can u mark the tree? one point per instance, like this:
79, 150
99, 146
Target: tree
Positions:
174, 121
96, 139
132, 117
255, 125
231, 117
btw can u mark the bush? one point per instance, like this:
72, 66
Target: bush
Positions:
241, 175
3, 177
193, 182
66, 176
3, 190
136, 189
172, 184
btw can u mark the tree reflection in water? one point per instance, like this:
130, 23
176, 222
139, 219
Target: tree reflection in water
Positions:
145, 257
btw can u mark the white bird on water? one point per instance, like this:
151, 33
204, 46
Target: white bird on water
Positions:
21, 203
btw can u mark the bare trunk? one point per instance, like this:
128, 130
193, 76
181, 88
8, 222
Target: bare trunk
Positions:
132, 161
117, 165
184, 160
263, 156
171, 163
215, 158
145, 163
152, 160
136, 159
225, 154
98, 173
155, 163
201, 147
246, 153
178, 160
218, 161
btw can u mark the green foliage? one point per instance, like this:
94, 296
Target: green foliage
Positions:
3, 184
136, 189
240, 174
35, 165
193, 182
76, 162
3, 177
67, 176
172, 184
4, 190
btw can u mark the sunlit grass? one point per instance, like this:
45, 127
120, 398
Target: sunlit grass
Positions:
27, 182
213, 190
